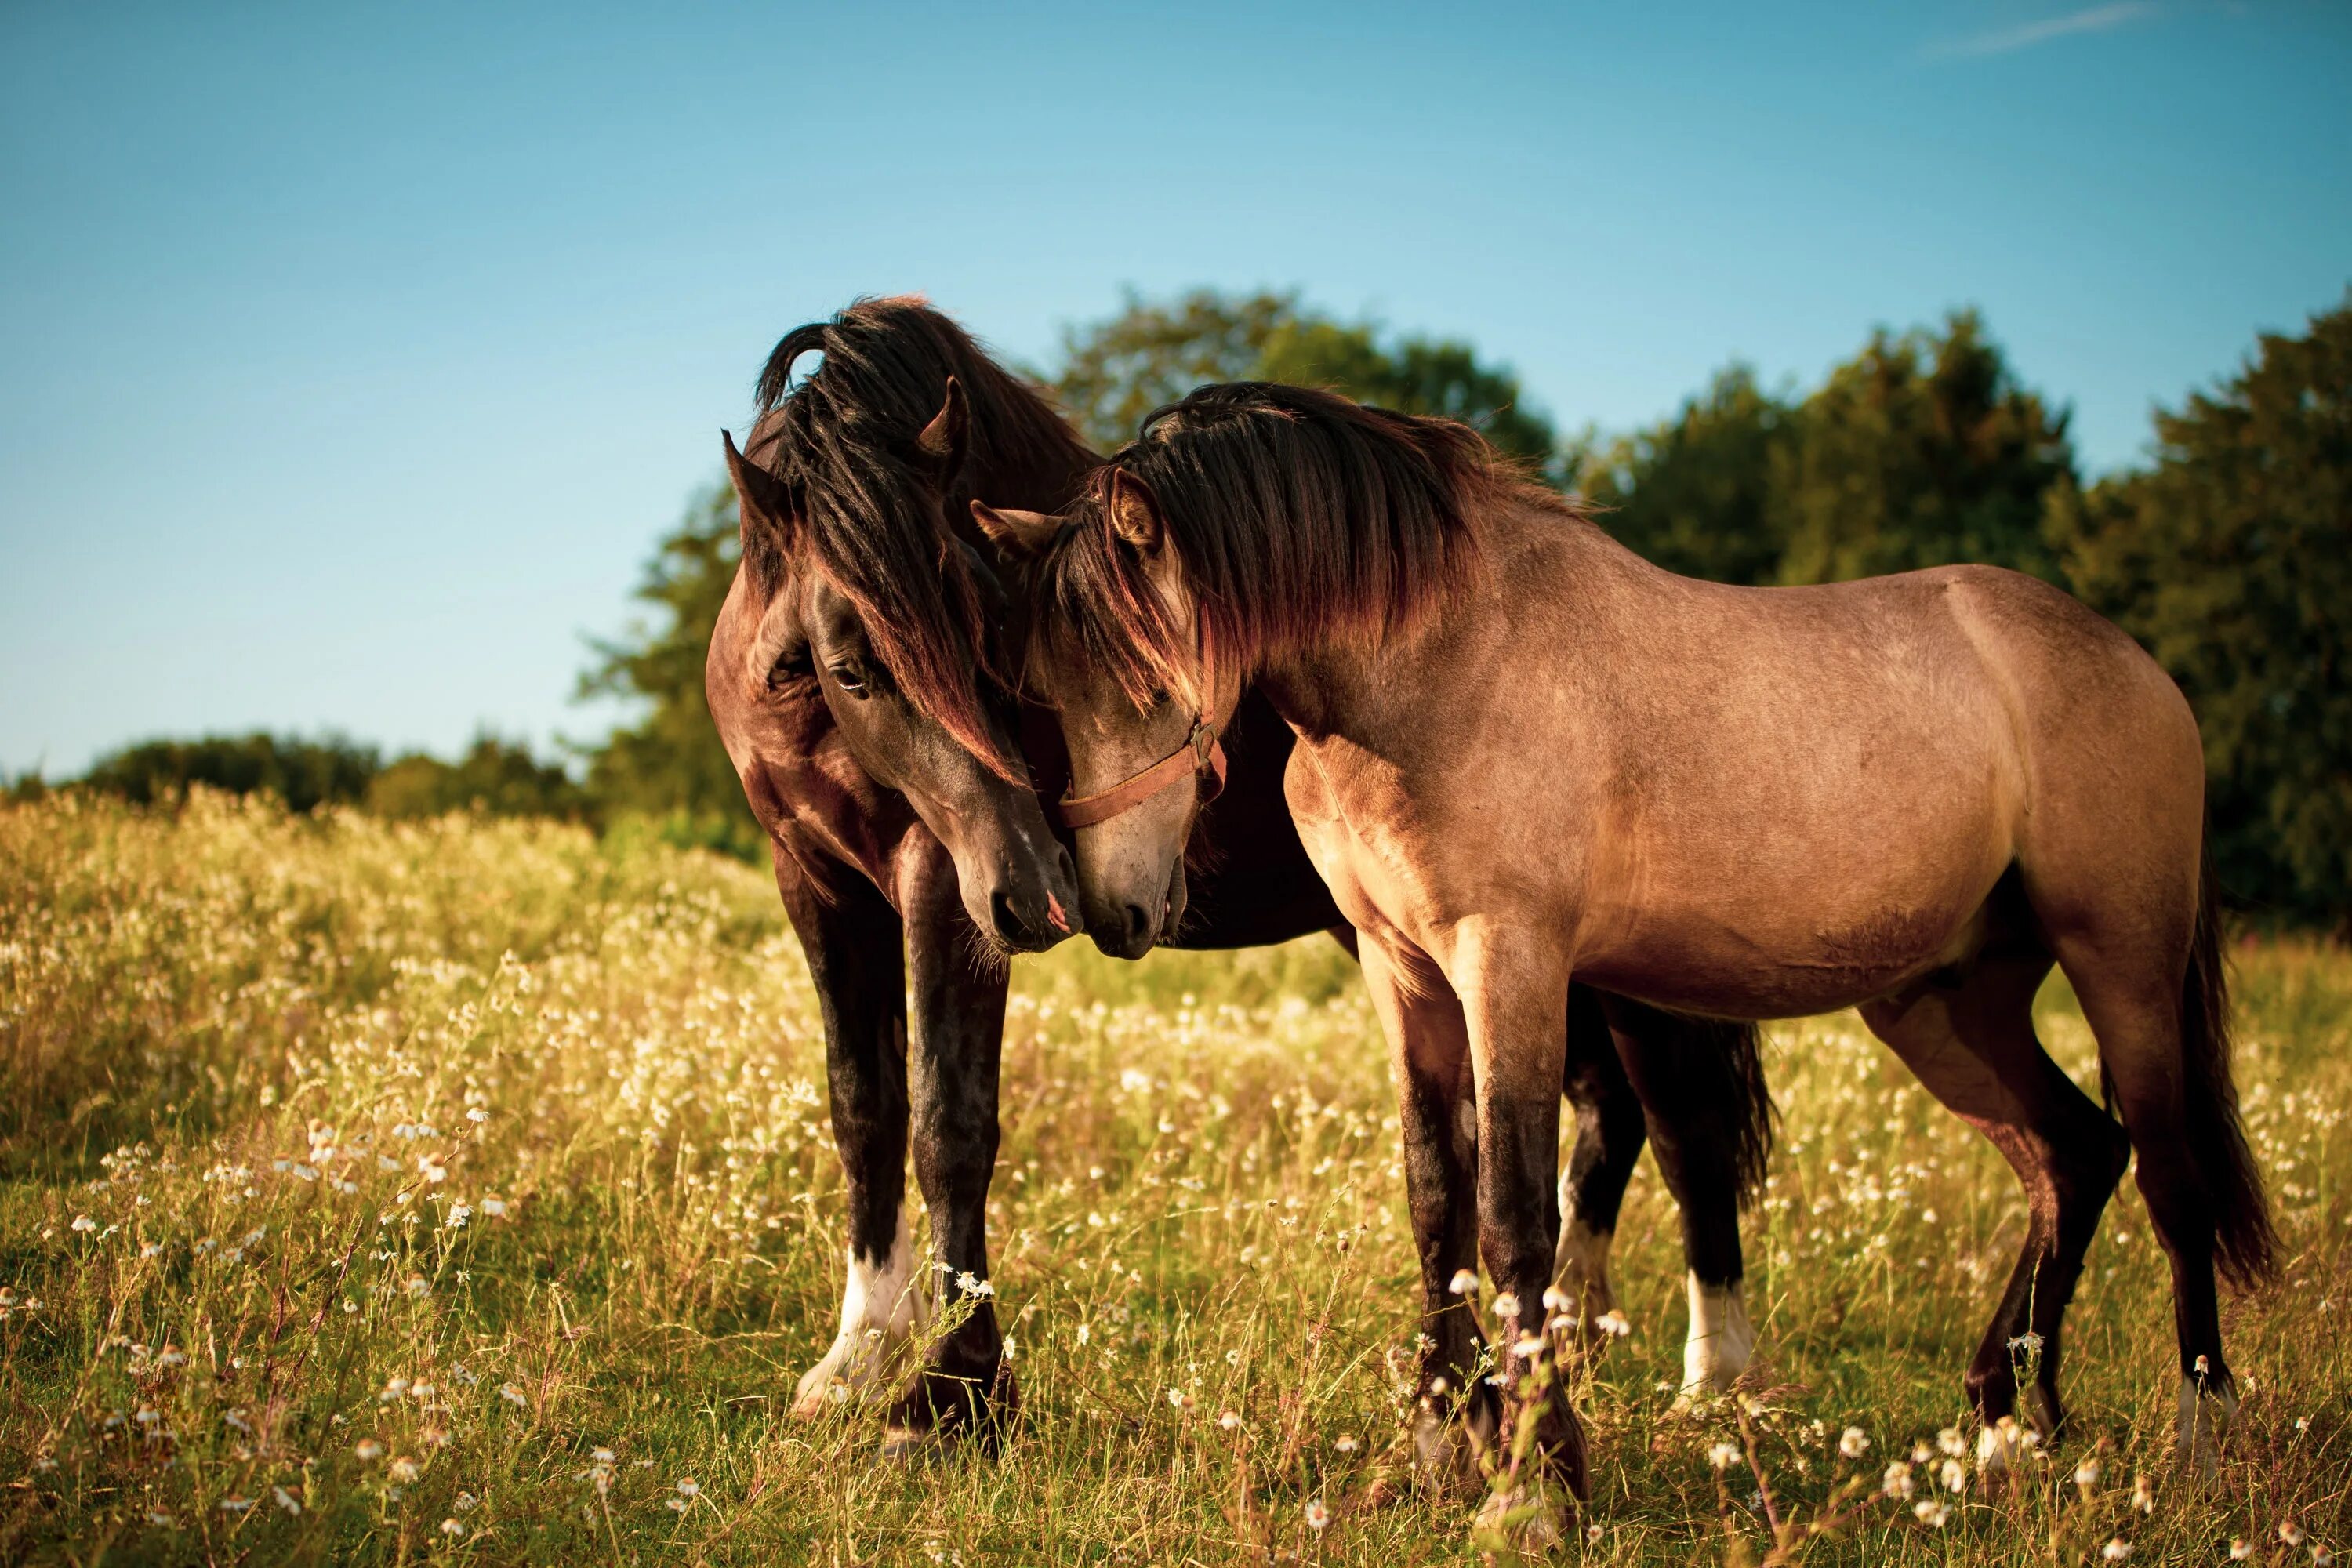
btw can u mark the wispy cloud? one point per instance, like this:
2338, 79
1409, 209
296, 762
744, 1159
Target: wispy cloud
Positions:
2008, 40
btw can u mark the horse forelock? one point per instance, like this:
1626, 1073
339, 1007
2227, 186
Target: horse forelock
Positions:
866, 511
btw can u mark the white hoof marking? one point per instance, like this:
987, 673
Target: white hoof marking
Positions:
2006, 1446
2206, 1415
1721, 1342
882, 1307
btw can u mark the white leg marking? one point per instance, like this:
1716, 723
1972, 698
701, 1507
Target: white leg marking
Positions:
2206, 1415
1581, 1269
1434, 1450
1721, 1341
2006, 1446
882, 1306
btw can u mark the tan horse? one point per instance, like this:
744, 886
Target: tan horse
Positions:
1526, 754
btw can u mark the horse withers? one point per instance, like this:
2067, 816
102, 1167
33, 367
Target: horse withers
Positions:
1525, 756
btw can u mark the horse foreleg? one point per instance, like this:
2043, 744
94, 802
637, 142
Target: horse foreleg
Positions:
1429, 1058
853, 940
964, 1385
1514, 992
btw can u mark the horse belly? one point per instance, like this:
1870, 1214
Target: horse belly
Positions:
1773, 946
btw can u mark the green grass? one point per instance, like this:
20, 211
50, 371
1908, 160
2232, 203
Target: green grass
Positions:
1199, 1170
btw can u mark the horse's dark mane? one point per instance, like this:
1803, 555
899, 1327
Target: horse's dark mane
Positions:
1296, 518
865, 507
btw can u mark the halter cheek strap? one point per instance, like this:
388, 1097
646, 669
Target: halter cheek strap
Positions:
1200, 756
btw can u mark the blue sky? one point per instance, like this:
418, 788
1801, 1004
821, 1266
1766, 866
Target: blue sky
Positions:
351, 359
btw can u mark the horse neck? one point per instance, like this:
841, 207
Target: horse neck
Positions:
1532, 563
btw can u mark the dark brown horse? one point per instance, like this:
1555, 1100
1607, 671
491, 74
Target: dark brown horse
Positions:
1527, 756
852, 674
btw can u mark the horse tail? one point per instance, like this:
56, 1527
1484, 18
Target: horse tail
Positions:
2247, 1242
1739, 1050
1713, 1076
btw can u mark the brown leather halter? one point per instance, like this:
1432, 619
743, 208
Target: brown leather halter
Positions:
1200, 755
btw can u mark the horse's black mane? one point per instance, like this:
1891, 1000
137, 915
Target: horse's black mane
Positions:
865, 507
1294, 515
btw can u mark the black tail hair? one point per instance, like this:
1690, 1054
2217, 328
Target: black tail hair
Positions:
1712, 1070
2245, 1239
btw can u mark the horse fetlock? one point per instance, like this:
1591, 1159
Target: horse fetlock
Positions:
1556, 1450
955, 1397
2208, 1411
882, 1307
1581, 1274
1721, 1341
1451, 1430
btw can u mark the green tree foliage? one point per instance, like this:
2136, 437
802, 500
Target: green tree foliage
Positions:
1920, 451
669, 766
1694, 493
1117, 371
2231, 558
494, 776
303, 773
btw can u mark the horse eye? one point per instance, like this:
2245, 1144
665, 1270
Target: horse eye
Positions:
785, 670
850, 679
1158, 697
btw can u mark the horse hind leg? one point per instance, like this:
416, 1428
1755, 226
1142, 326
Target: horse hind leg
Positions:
1700, 1081
1972, 1045
2161, 1017
1610, 1132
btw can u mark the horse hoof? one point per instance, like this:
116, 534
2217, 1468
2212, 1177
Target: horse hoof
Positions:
2006, 1448
816, 1399
1524, 1519
904, 1445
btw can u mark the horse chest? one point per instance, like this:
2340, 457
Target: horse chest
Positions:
1371, 846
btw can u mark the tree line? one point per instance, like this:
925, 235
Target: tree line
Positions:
496, 775
2226, 551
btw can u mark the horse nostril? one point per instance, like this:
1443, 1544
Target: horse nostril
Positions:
1009, 924
1139, 921
1063, 866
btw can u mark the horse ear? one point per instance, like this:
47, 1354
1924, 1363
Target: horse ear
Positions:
764, 503
1135, 512
1016, 535
942, 440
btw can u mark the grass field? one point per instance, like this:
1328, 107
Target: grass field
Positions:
379, 1194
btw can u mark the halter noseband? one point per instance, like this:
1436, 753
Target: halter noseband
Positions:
1200, 756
